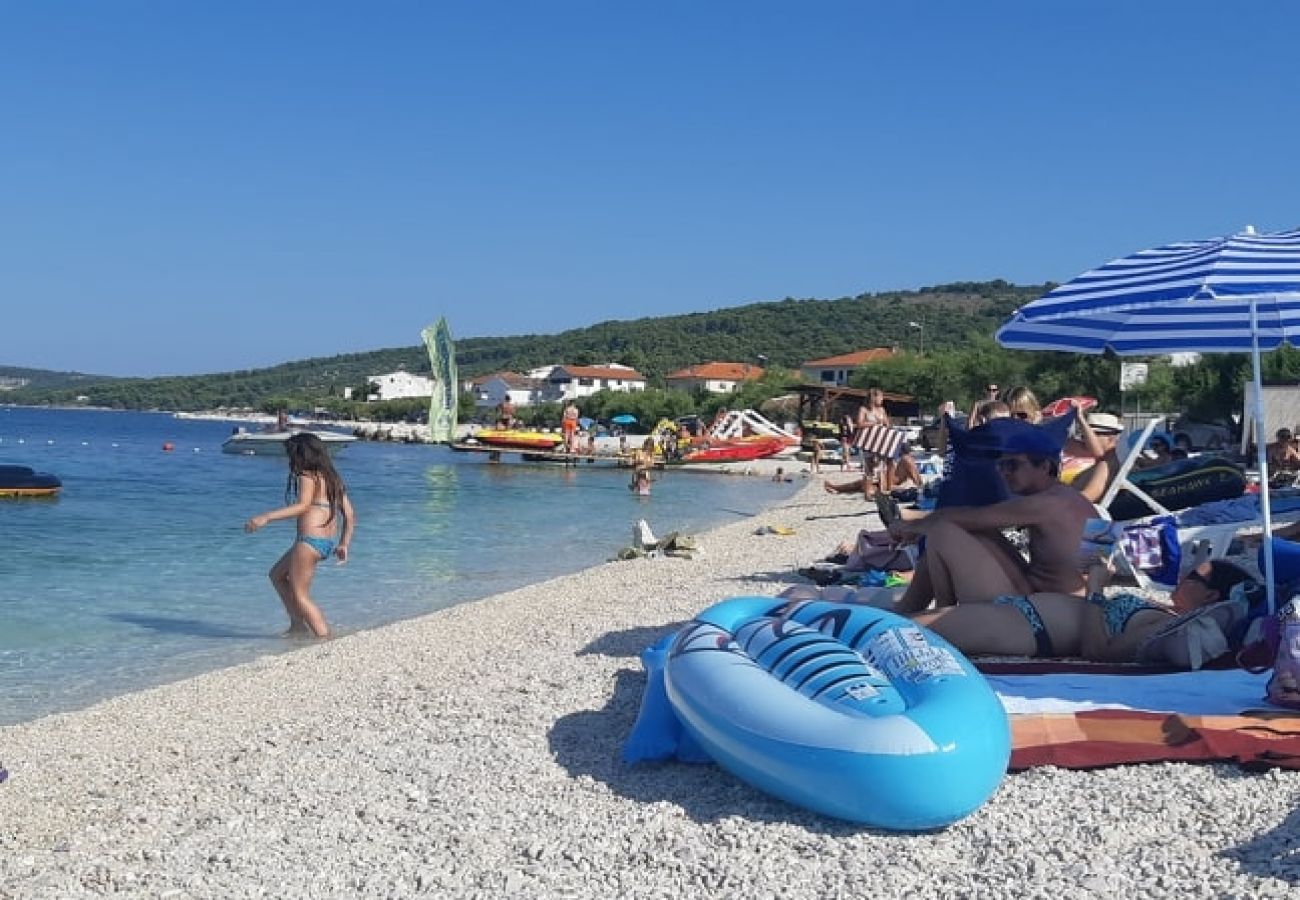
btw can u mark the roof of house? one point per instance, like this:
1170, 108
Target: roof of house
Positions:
719, 371
621, 374
512, 379
857, 358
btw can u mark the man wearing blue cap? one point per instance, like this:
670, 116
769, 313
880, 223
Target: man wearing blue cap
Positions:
967, 558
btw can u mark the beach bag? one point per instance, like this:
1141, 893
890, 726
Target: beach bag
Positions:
1284, 685
877, 550
1154, 549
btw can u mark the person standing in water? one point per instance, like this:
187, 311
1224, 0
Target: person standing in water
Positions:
314, 495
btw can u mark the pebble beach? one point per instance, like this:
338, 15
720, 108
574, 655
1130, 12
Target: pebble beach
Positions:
475, 752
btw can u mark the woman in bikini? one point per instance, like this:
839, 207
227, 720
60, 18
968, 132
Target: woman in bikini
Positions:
1100, 627
316, 497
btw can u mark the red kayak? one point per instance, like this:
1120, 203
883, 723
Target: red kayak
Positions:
741, 451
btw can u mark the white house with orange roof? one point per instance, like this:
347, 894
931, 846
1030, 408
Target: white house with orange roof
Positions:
715, 377
837, 369
570, 382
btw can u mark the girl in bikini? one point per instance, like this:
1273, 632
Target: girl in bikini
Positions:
316, 497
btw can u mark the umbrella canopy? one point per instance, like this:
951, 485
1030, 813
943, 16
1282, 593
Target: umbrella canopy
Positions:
1234, 294
624, 419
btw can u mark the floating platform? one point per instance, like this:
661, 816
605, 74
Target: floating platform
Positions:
528, 454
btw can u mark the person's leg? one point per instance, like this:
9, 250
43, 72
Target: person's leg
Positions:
279, 576
861, 485
905, 470
967, 567
983, 628
302, 569
919, 593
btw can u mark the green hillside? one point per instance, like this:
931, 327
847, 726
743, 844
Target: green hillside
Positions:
785, 332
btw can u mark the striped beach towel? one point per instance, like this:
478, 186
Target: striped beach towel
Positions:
879, 439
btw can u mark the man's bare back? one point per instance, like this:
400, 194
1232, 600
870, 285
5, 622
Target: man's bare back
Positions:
1054, 545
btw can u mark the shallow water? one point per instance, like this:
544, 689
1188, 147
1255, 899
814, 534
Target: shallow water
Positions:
140, 572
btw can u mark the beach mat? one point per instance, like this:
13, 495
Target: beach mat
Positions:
1087, 720
1111, 737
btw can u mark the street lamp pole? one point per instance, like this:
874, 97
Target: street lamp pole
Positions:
920, 337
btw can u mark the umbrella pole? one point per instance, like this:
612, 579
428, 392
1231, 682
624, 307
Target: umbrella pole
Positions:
1261, 456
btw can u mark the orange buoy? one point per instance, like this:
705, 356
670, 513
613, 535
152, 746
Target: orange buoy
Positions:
169, 446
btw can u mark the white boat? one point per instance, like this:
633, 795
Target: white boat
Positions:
271, 443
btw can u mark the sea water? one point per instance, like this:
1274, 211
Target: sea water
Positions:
140, 572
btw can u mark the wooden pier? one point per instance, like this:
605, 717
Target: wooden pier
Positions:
530, 454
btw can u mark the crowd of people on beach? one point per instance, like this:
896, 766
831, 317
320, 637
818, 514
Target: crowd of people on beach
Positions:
995, 563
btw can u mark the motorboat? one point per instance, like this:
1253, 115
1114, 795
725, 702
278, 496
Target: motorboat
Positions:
271, 443
22, 481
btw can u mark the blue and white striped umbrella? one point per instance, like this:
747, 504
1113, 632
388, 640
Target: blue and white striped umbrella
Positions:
1224, 295
1236, 294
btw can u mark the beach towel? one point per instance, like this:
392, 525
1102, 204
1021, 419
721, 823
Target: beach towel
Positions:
880, 440
1079, 720
1108, 737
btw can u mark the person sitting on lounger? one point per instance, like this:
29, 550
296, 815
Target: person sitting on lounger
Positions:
968, 559
1284, 453
1103, 430
1104, 628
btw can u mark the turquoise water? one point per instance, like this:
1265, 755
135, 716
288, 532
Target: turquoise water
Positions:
140, 572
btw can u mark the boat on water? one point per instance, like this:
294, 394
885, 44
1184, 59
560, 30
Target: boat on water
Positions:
271, 443
22, 481
518, 438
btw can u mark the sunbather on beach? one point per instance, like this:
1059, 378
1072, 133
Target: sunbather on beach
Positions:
968, 559
1104, 628
978, 414
1284, 453
1024, 405
866, 486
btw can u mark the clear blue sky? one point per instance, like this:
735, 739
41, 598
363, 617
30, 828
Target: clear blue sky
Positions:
206, 186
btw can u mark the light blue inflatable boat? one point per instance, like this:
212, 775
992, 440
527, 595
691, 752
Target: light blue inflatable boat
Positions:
847, 710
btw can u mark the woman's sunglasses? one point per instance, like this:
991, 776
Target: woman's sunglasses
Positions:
1200, 579
1011, 464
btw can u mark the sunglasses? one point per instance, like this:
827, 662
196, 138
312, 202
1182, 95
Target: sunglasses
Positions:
1200, 579
1010, 465
1021, 415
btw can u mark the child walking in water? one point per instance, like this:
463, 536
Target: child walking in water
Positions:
317, 498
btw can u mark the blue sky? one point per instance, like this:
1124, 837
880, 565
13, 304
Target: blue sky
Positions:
207, 186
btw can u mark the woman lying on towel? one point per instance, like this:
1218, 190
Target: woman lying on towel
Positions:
1101, 628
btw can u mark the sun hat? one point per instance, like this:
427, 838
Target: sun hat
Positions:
1105, 422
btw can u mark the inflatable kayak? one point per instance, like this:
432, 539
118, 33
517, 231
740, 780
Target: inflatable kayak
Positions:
1180, 484
735, 451
519, 438
20, 481
850, 711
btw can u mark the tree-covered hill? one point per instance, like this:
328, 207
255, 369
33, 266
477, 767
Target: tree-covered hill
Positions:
785, 333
